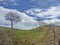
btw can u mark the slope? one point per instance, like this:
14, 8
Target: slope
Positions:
38, 36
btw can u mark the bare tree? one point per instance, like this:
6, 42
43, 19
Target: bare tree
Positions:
13, 17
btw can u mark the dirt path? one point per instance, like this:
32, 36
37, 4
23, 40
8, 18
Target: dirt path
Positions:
51, 39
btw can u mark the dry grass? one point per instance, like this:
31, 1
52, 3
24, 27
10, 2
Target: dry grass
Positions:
40, 36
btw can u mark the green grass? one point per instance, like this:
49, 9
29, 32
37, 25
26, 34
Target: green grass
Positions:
38, 36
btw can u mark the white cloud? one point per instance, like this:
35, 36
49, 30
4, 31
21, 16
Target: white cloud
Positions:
11, 2
50, 14
27, 22
35, 11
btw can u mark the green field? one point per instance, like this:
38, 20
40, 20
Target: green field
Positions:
38, 36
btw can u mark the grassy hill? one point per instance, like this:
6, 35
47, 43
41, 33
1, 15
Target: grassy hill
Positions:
39, 36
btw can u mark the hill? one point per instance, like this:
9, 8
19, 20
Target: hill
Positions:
39, 36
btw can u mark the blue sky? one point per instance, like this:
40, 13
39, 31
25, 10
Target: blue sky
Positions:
31, 12
22, 5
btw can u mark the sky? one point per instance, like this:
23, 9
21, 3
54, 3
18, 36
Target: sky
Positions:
32, 12
22, 5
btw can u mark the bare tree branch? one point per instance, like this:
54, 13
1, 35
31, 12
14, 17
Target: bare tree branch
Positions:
13, 17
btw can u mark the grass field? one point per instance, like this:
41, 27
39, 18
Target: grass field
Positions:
39, 36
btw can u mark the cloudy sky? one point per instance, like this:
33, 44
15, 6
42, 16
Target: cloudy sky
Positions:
31, 12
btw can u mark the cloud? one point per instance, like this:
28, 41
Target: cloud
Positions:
9, 2
45, 3
27, 22
50, 15
31, 17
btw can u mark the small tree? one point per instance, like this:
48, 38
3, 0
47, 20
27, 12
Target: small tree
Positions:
13, 17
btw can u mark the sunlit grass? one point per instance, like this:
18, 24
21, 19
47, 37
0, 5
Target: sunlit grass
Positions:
38, 36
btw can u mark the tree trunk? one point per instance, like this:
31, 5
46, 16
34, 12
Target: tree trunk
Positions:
12, 24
